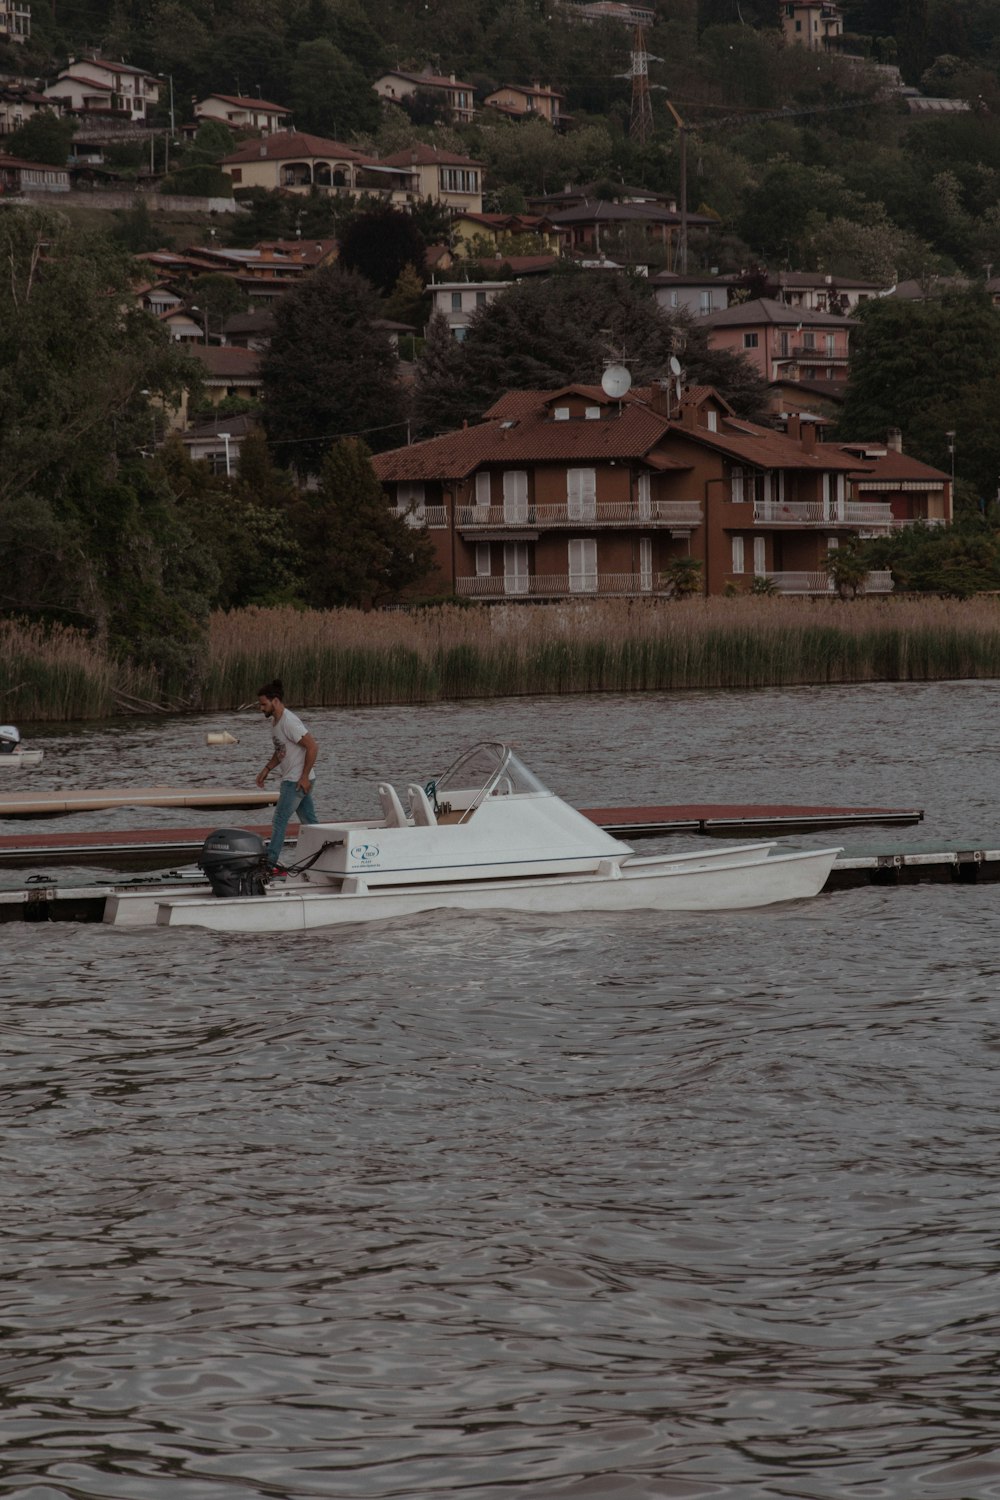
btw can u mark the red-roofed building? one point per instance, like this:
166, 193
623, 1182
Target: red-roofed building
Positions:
443, 176
243, 114
561, 493
520, 101
296, 162
400, 86
913, 491
783, 343
18, 177
94, 85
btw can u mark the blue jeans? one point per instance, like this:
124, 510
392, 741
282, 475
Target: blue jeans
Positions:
291, 801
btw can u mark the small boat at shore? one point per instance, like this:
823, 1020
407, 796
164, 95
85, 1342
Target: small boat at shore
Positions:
13, 757
485, 836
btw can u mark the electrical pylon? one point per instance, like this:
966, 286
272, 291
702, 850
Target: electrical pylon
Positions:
641, 120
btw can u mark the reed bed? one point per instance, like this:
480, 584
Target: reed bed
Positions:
54, 673
348, 657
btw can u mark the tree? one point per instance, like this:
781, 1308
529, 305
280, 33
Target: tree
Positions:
912, 359
98, 541
357, 551
329, 373
848, 567
248, 539
405, 303
439, 401
329, 93
682, 577
542, 334
44, 138
381, 244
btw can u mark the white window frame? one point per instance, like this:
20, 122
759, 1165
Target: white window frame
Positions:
483, 488
581, 494
759, 556
739, 555
484, 561
582, 562
515, 495
515, 568
646, 564
737, 489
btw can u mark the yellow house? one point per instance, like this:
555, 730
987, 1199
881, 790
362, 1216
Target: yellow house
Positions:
295, 162
498, 227
812, 24
443, 176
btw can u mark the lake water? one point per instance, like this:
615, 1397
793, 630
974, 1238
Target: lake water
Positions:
611, 1208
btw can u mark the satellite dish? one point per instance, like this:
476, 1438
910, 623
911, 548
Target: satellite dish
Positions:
615, 381
675, 365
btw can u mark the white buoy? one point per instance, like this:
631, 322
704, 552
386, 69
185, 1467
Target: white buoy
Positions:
220, 737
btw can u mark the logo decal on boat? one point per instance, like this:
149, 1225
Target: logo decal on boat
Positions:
366, 853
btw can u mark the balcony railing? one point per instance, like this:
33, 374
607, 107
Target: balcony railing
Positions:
555, 585
817, 356
899, 521
432, 516
679, 514
821, 583
867, 513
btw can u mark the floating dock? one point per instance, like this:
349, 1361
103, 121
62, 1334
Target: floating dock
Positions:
54, 804
44, 899
155, 848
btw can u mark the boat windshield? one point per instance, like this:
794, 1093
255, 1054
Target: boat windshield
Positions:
490, 769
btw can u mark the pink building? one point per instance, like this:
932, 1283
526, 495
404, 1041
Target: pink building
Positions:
783, 343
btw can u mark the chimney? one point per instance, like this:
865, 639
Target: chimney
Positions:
793, 426
894, 440
689, 415
809, 437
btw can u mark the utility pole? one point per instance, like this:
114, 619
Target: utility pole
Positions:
682, 248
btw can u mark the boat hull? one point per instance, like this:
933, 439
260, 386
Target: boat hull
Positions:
729, 880
18, 759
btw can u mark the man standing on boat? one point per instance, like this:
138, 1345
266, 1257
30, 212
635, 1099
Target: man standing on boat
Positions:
295, 753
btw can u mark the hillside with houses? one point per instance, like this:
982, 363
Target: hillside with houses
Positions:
626, 301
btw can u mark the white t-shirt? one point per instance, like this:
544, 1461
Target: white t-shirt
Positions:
286, 734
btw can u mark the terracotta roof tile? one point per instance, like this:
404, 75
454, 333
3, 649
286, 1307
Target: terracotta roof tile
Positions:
767, 310
293, 143
421, 155
225, 359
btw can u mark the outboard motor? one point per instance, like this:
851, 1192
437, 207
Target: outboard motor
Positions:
10, 739
234, 862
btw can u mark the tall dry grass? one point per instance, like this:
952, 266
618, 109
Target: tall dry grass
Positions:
349, 657
55, 673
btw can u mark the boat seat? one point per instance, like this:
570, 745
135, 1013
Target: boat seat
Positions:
392, 808
423, 814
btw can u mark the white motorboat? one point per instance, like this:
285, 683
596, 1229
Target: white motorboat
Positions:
12, 755
485, 836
